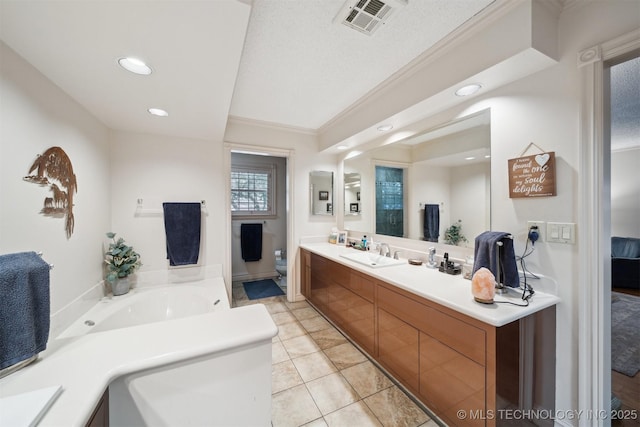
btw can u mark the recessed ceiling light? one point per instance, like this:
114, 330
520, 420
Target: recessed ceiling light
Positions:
158, 112
469, 158
384, 128
468, 89
488, 156
134, 65
342, 147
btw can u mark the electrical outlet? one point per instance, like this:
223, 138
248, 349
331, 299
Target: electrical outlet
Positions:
541, 229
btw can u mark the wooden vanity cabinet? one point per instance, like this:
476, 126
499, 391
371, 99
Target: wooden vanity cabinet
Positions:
443, 357
345, 296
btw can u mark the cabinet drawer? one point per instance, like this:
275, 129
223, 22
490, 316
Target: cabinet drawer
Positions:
463, 337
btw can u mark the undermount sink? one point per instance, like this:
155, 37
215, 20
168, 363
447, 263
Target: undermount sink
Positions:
372, 260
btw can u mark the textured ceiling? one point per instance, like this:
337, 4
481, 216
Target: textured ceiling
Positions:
625, 105
296, 67
301, 69
279, 61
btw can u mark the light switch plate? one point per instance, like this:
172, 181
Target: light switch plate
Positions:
561, 232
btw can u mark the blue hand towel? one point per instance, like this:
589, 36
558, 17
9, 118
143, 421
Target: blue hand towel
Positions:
431, 223
24, 307
251, 242
486, 256
182, 222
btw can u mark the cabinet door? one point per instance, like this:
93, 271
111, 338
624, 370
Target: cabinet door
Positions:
305, 273
320, 281
361, 311
450, 382
398, 346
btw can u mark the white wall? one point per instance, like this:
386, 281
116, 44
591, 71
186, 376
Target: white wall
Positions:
166, 169
274, 230
34, 116
625, 193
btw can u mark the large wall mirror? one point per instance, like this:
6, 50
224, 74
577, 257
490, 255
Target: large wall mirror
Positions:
421, 186
321, 192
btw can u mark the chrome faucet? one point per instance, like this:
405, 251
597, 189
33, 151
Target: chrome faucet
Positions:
384, 249
432, 258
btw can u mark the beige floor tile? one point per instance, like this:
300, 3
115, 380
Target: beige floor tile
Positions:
356, 414
283, 317
345, 355
331, 392
299, 346
430, 423
284, 375
290, 330
316, 423
328, 338
278, 353
293, 407
316, 323
275, 306
393, 408
304, 313
297, 305
313, 366
366, 378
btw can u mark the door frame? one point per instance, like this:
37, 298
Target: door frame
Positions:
289, 155
594, 296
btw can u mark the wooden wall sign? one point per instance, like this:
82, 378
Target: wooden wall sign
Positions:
533, 176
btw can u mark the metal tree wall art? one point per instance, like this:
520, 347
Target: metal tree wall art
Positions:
53, 168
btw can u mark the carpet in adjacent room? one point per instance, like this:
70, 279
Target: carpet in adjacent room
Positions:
625, 333
262, 289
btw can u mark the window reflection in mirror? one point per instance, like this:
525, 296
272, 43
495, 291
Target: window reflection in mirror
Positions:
448, 167
321, 192
352, 194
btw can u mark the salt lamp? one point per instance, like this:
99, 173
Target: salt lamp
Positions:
483, 285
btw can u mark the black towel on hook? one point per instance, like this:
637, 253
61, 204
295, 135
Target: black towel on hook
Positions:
251, 242
431, 223
182, 223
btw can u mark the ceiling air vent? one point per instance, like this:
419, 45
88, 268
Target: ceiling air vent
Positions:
367, 15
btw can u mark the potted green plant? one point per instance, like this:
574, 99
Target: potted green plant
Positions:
121, 261
453, 235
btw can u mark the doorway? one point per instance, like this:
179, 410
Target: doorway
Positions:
622, 136
594, 304
258, 191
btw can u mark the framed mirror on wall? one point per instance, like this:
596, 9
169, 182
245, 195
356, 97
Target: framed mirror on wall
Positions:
321, 192
433, 186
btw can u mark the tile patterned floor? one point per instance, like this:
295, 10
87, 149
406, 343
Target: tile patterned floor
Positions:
321, 379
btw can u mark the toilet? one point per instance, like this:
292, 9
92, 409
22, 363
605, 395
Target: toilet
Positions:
281, 266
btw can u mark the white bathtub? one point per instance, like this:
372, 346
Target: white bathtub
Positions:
167, 354
151, 304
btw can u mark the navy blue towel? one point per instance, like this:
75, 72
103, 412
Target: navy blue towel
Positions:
182, 228
251, 242
24, 307
431, 223
486, 256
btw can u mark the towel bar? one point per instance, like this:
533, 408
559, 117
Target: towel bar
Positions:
50, 265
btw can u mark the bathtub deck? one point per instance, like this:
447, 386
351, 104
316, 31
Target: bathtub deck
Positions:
85, 366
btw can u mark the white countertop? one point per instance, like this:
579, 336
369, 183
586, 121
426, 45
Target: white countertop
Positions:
85, 366
452, 291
